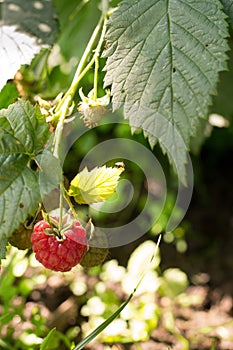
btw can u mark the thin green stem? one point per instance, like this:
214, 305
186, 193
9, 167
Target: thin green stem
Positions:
86, 53
67, 198
96, 77
81, 71
61, 209
96, 57
60, 125
63, 107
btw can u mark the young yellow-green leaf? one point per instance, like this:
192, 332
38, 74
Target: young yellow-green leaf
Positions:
96, 185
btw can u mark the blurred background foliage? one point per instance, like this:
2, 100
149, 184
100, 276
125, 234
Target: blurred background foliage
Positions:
51, 72
197, 244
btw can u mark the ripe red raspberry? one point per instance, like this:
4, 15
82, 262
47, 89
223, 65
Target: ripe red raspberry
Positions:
59, 254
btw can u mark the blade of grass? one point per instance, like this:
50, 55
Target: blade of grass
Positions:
48, 339
103, 325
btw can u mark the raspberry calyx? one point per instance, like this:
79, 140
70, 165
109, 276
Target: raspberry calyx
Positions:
59, 253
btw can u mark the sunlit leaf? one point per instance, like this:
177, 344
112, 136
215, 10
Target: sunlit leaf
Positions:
96, 185
26, 27
15, 49
163, 59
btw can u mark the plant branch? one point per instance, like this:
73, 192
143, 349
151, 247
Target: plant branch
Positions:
63, 106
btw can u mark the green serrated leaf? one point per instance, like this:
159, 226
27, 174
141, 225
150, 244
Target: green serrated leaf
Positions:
228, 8
18, 201
163, 62
23, 133
8, 94
22, 129
51, 175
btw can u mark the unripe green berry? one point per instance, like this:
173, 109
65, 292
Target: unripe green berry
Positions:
21, 238
97, 252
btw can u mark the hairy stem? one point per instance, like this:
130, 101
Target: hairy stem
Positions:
63, 107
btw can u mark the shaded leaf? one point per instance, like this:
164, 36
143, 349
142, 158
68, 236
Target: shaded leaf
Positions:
163, 63
19, 199
222, 102
7, 95
51, 174
3, 244
228, 8
23, 133
96, 185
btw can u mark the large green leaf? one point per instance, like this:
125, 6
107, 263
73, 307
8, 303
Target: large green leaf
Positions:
26, 27
163, 62
23, 133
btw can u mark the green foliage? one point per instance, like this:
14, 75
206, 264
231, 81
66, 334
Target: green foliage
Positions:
50, 340
174, 282
3, 244
9, 292
163, 63
27, 27
14, 292
7, 95
139, 318
228, 7
222, 103
77, 21
35, 18
23, 133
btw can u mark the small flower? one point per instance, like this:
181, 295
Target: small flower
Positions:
93, 109
48, 108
